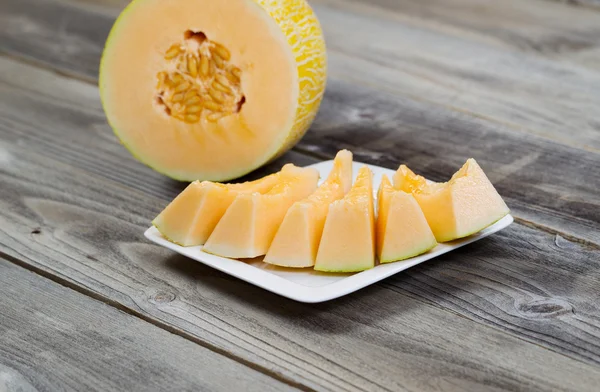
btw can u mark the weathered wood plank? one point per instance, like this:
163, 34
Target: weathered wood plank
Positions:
55, 339
539, 26
551, 185
530, 94
588, 58
593, 5
65, 121
527, 93
88, 231
364, 337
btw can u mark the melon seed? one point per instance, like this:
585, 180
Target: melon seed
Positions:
204, 65
214, 117
212, 106
233, 75
192, 66
161, 80
172, 52
182, 87
222, 52
193, 109
191, 118
219, 62
177, 97
192, 100
212, 67
217, 88
217, 96
222, 79
189, 94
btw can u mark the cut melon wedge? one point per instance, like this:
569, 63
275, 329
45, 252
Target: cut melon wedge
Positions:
458, 208
297, 240
348, 240
401, 230
251, 221
192, 216
208, 89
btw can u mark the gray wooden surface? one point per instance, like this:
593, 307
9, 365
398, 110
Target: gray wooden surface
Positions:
514, 84
53, 338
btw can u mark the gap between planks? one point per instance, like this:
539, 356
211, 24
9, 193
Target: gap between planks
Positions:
114, 303
174, 330
324, 156
314, 154
593, 5
157, 323
519, 220
511, 126
439, 308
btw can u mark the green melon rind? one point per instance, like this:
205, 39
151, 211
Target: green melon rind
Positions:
410, 255
354, 268
474, 231
164, 235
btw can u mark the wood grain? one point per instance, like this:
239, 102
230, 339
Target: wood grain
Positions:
517, 311
545, 183
588, 58
565, 209
464, 321
523, 91
412, 58
55, 339
593, 4
533, 26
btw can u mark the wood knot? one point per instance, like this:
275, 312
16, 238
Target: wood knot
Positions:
366, 116
162, 297
36, 230
544, 308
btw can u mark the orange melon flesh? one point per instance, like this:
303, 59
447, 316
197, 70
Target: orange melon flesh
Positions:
401, 230
458, 208
250, 223
256, 99
192, 216
348, 240
297, 240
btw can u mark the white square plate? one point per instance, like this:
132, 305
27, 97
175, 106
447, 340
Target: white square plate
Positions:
307, 285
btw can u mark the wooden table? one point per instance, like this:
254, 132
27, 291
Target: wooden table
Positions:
88, 304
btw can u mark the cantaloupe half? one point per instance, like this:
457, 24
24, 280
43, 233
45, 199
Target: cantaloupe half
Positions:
212, 89
192, 216
248, 226
458, 208
297, 239
401, 229
348, 240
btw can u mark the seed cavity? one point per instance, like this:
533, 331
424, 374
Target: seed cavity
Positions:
198, 80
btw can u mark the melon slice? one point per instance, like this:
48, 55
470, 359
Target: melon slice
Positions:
458, 208
250, 223
348, 240
208, 89
297, 240
401, 230
192, 216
